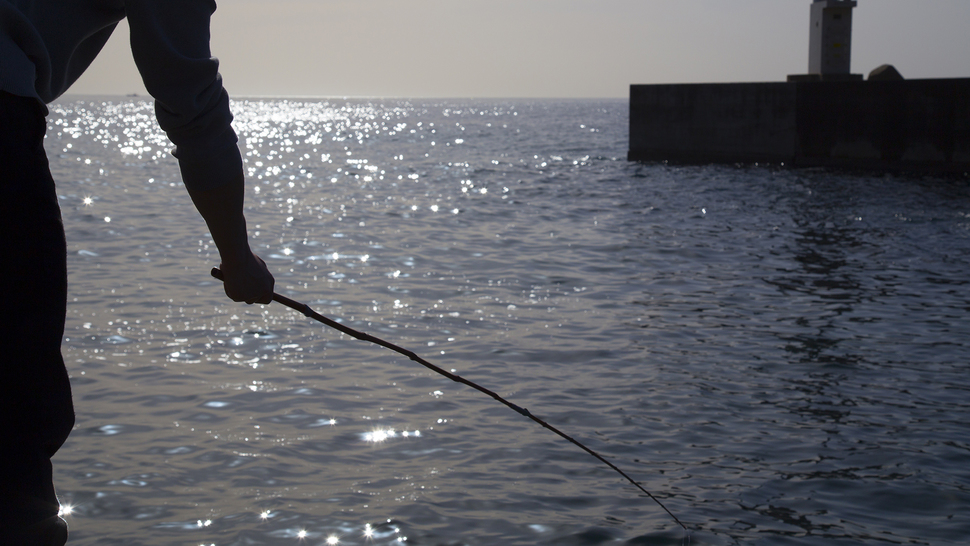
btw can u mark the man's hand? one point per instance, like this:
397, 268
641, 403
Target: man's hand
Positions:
246, 276
249, 281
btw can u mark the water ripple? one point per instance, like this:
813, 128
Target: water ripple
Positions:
778, 355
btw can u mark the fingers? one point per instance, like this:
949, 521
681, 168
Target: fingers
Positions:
269, 283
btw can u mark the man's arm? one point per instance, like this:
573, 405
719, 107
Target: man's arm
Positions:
170, 45
246, 276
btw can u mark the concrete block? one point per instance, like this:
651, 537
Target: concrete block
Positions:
921, 125
885, 73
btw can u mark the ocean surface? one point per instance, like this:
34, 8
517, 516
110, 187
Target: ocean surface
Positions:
781, 356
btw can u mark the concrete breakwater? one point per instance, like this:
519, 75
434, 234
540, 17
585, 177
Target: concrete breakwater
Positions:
907, 125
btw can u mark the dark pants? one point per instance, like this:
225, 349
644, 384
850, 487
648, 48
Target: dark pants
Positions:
36, 411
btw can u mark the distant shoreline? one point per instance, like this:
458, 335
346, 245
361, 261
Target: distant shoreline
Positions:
86, 96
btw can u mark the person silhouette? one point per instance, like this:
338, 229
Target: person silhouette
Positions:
45, 45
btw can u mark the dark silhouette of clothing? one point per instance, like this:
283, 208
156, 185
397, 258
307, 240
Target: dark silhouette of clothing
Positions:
45, 46
36, 412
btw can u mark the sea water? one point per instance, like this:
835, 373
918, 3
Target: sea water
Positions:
781, 356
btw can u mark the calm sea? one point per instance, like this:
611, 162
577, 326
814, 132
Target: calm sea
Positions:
780, 356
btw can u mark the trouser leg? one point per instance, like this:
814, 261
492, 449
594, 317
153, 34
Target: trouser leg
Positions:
36, 410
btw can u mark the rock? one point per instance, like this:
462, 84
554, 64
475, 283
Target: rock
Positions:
885, 73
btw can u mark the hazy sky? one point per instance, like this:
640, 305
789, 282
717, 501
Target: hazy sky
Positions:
541, 48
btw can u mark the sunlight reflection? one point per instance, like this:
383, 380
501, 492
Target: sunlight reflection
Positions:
379, 435
382, 435
65, 510
332, 539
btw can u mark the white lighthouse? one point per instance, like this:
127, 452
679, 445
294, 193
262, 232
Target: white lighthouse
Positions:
830, 39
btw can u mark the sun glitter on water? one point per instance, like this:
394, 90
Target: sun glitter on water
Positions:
379, 435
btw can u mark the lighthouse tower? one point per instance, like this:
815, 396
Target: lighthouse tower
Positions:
830, 38
830, 41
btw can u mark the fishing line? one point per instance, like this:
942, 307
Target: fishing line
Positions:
310, 313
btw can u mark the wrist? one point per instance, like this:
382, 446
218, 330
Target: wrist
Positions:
236, 256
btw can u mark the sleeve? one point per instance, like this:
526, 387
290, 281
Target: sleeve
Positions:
170, 46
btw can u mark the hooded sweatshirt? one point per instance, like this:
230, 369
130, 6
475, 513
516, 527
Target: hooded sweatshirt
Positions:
45, 46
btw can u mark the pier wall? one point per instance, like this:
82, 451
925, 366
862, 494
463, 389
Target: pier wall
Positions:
918, 125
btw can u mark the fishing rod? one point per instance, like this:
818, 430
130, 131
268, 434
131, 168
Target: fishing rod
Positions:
310, 313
